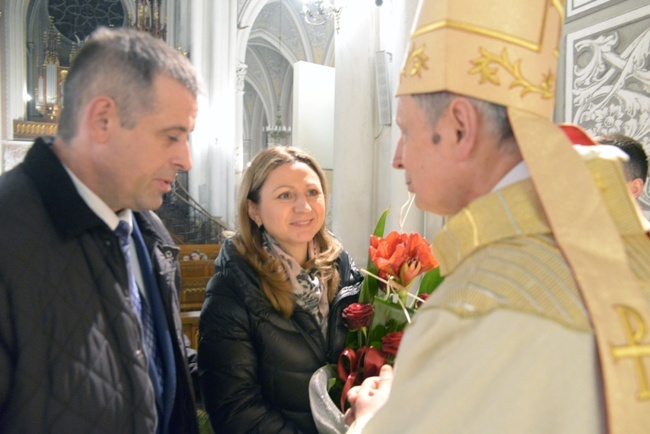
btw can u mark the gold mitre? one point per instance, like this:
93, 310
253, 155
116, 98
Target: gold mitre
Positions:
500, 51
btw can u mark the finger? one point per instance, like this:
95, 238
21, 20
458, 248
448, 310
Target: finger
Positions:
370, 383
349, 417
386, 375
353, 394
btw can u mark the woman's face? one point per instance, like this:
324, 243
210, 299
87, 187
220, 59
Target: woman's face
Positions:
291, 207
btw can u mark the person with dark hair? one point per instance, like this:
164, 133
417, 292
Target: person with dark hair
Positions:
90, 329
273, 312
635, 168
540, 323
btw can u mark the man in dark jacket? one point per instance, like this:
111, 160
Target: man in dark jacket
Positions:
90, 334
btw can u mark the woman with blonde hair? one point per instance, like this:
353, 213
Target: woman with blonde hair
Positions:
272, 314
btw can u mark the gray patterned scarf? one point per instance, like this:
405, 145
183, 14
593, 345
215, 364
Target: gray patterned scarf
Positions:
308, 287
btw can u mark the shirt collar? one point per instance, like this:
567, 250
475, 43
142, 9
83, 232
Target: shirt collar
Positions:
98, 206
516, 174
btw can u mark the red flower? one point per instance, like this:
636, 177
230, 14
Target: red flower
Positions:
402, 256
388, 253
390, 342
358, 315
424, 298
356, 365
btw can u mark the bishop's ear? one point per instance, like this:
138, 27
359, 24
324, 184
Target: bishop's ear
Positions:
465, 121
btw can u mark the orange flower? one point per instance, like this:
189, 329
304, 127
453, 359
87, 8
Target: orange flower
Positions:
402, 256
388, 253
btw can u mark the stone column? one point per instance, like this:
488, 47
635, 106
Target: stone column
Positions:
14, 76
396, 19
214, 27
365, 184
354, 131
239, 132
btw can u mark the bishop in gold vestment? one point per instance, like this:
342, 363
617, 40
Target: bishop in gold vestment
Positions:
504, 345
542, 323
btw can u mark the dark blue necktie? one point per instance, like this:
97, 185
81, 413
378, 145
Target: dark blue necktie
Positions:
141, 307
123, 233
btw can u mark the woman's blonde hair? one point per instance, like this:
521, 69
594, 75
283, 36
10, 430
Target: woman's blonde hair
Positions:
248, 240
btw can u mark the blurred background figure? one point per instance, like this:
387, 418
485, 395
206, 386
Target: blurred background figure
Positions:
636, 168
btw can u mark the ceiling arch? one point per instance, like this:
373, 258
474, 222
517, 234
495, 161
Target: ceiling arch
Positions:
276, 37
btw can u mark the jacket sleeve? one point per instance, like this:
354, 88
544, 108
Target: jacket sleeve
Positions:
228, 365
6, 368
348, 293
350, 274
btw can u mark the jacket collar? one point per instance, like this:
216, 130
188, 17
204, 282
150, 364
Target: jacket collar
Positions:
70, 214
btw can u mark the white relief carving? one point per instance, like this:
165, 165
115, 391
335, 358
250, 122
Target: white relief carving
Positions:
612, 91
241, 75
608, 72
577, 6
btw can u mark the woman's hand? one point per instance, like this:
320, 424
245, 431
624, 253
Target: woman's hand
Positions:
367, 399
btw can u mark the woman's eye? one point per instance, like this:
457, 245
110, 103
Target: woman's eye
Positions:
314, 192
284, 195
172, 138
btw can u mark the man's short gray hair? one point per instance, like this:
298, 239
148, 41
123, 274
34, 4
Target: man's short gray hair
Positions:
121, 64
495, 115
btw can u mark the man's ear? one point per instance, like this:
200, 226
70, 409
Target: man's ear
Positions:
101, 116
636, 187
464, 119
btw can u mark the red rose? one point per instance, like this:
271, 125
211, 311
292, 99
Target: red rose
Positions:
390, 343
358, 315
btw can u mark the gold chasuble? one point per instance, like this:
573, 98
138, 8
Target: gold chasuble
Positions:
506, 52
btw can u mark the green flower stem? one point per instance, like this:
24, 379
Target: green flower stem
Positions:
402, 293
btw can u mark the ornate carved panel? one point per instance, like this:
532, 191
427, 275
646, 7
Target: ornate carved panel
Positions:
608, 78
574, 7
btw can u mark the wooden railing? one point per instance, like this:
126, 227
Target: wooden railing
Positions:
28, 130
195, 275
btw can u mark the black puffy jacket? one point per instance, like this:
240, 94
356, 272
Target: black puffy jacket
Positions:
254, 364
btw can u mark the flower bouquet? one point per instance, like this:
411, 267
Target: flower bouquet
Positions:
376, 322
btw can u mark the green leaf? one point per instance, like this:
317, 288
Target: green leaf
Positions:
388, 317
370, 286
381, 224
352, 339
430, 281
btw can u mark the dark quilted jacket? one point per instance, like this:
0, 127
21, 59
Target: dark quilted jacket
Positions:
70, 357
255, 365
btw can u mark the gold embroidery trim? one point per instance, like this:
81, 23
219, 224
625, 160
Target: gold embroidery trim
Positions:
415, 62
635, 331
559, 7
484, 31
483, 65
